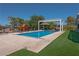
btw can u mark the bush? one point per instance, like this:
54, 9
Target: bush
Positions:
70, 28
74, 36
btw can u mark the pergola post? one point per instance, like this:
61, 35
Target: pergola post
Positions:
60, 26
38, 25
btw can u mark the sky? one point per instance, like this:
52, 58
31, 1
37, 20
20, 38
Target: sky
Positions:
49, 10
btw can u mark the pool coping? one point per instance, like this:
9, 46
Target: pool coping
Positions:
31, 32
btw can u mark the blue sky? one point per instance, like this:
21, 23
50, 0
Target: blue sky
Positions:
49, 11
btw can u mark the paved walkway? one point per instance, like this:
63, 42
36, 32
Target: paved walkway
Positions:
44, 42
10, 43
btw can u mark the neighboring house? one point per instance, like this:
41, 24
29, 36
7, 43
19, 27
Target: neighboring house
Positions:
23, 27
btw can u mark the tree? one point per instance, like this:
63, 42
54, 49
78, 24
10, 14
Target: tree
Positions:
12, 21
70, 23
20, 21
1, 27
52, 25
70, 20
34, 21
15, 22
37, 18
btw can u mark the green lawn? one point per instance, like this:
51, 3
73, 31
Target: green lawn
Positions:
62, 46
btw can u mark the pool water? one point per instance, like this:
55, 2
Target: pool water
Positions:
37, 34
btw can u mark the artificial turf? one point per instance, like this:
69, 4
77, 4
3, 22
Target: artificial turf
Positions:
62, 46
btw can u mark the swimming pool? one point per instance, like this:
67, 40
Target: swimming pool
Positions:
37, 34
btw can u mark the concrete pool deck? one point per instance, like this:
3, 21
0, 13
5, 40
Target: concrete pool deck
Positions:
10, 43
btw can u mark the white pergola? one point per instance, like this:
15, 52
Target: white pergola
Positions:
58, 20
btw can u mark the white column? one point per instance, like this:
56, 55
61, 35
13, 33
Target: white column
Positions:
60, 24
38, 25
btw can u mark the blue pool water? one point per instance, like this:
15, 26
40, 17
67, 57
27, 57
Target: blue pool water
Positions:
37, 34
